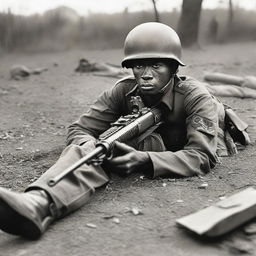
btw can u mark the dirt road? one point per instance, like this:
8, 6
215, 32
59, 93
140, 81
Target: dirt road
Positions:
34, 115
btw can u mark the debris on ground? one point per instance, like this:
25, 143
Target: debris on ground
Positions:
134, 210
38, 71
19, 72
203, 185
116, 220
230, 85
224, 216
231, 91
32, 113
3, 92
248, 81
91, 225
250, 229
240, 246
101, 69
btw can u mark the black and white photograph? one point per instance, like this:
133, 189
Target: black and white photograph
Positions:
127, 127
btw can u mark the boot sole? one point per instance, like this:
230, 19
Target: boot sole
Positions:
13, 219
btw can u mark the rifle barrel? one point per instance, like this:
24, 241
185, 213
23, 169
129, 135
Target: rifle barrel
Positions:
97, 151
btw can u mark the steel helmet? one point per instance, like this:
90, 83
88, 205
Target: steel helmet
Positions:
152, 40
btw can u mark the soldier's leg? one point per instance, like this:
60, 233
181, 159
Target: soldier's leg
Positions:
75, 189
69, 194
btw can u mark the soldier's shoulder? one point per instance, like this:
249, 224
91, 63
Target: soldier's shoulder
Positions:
128, 80
125, 84
187, 85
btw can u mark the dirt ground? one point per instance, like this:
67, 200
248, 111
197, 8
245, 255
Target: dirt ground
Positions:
34, 115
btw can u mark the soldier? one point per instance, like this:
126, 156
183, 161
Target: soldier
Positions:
100, 68
19, 72
187, 143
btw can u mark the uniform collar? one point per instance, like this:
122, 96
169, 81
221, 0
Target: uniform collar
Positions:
133, 91
168, 97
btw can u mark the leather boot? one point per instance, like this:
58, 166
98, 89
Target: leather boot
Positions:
25, 214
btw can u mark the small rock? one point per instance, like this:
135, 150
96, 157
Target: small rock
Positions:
91, 225
250, 229
203, 185
109, 217
3, 92
136, 211
116, 220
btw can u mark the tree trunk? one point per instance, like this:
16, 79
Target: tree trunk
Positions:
230, 19
230, 14
188, 26
157, 19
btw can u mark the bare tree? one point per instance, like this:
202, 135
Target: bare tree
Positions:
231, 13
157, 18
188, 25
230, 18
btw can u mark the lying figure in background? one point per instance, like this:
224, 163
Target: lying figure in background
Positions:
101, 69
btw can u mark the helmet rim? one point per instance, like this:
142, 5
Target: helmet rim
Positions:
134, 57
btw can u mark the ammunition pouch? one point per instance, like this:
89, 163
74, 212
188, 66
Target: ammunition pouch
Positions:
236, 127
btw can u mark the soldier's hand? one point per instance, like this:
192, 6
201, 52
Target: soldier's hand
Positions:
128, 159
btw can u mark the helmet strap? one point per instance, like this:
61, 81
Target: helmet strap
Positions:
170, 83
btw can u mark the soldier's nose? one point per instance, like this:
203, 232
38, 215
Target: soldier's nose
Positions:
147, 74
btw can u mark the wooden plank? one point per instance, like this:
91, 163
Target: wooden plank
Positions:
224, 216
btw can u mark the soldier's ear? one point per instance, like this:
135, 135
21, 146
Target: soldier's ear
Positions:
176, 67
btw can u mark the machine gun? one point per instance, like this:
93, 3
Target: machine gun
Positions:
124, 129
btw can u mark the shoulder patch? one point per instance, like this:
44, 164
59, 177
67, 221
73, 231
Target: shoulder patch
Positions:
203, 124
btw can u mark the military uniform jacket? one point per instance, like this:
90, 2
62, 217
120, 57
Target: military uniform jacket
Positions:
192, 121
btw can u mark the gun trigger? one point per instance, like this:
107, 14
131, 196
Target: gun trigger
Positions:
110, 156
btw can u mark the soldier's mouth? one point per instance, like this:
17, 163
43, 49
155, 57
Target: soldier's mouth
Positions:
146, 87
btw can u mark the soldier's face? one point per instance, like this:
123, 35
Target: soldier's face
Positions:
151, 75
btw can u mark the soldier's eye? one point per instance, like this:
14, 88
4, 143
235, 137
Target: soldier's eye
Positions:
138, 66
156, 66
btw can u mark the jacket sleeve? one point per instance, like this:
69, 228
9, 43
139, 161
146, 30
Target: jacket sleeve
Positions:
97, 119
199, 154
